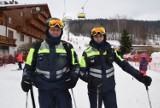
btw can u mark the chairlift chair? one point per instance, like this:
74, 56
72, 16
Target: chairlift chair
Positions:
81, 15
65, 19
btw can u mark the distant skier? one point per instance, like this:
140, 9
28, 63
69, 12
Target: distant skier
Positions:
20, 60
96, 68
143, 65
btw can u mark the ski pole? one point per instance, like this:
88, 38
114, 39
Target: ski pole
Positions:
97, 98
98, 95
73, 98
148, 96
32, 97
27, 100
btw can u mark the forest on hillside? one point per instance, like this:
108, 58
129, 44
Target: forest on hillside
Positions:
139, 30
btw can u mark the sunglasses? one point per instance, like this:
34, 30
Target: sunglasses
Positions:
97, 30
54, 23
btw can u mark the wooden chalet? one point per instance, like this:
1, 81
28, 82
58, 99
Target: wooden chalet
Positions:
20, 21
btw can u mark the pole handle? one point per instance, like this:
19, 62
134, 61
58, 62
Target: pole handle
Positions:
146, 87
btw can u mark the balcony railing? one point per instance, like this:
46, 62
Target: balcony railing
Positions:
45, 14
7, 41
40, 18
37, 25
30, 31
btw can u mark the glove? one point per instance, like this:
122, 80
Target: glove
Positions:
75, 72
146, 80
72, 81
26, 84
73, 77
95, 82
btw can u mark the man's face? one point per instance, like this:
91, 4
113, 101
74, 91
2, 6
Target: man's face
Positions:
98, 38
56, 32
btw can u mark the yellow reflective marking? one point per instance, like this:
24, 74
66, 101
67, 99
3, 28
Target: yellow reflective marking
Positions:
61, 51
121, 59
44, 51
30, 56
82, 62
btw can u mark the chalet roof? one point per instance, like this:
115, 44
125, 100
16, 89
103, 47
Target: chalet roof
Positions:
9, 6
19, 6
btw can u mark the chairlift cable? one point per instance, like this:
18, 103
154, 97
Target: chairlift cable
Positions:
84, 4
82, 15
64, 8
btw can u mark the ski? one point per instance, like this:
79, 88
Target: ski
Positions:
16, 70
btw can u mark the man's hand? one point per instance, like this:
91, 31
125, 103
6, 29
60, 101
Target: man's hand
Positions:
26, 84
146, 80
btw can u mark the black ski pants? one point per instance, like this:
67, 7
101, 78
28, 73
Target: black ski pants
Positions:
108, 98
55, 98
20, 65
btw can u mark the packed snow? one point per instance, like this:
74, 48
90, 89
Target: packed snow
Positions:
130, 92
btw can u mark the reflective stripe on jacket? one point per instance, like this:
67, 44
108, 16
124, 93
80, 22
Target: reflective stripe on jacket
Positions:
97, 64
94, 64
52, 65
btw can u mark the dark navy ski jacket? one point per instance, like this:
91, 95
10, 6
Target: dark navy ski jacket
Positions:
96, 67
50, 67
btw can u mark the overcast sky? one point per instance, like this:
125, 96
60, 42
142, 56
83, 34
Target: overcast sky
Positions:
130, 9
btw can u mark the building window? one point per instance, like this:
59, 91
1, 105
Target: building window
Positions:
9, 20
10, 33
38, 9
22, 37
22, 14
30, 39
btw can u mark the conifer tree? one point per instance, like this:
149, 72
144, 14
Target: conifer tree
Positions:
125, 42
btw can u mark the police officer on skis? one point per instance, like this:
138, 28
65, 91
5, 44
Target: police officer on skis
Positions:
96, 68
53, 68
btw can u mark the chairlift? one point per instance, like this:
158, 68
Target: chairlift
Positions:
65, 19
81, 15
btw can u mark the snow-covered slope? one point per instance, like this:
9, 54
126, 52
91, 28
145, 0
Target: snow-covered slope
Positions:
130, 92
